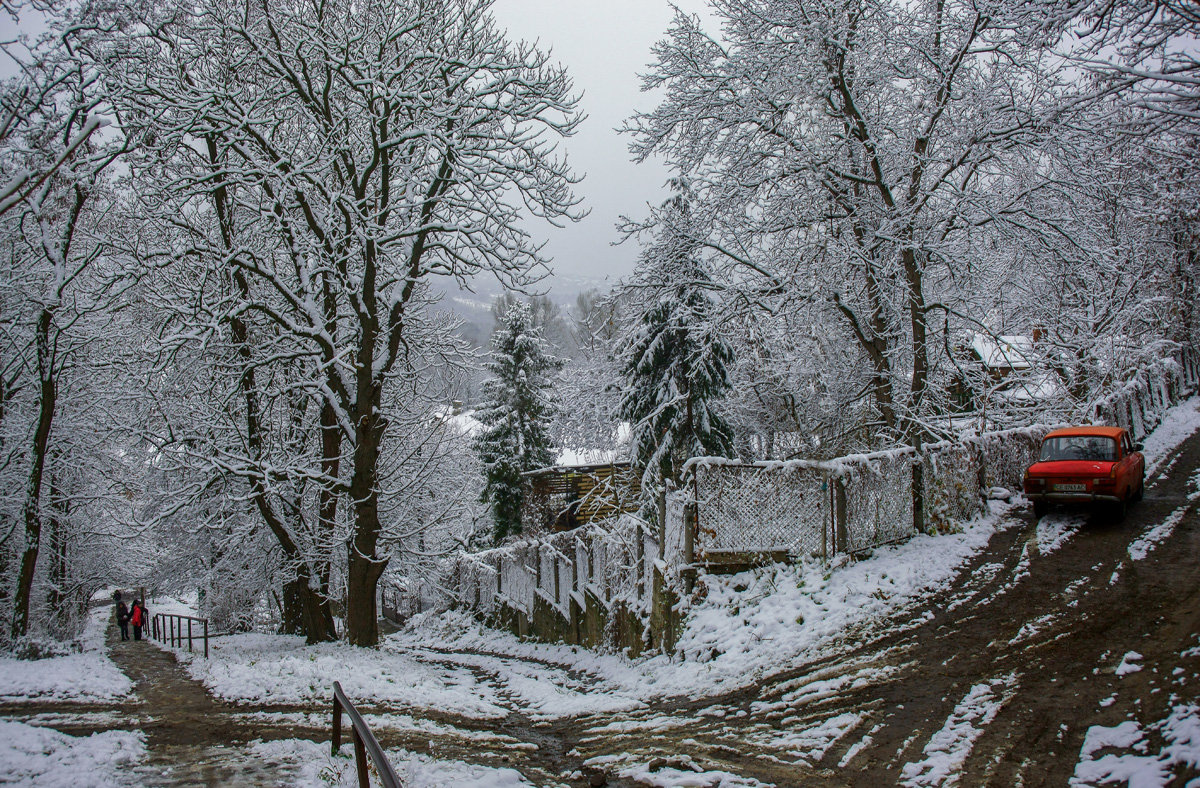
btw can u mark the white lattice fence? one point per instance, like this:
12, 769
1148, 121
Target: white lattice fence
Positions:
951, 473
879, 505
1006, 455
517, 582
761, 508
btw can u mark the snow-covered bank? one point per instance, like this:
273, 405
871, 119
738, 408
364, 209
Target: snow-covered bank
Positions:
748, 625
49, 759
316, 768
87, 677
257, 668
1179, 423
743, 627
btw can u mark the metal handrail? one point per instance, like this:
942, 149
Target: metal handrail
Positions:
364, 742
168, 628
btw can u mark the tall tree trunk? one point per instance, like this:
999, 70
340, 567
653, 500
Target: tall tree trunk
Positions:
317, 618
364, 566
47, 397
914, 276
292, 609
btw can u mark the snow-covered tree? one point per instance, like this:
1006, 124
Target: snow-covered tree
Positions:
377, 145
59, 289
515, 412
675, 361
844, 154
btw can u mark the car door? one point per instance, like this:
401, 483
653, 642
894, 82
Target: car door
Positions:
1131, 465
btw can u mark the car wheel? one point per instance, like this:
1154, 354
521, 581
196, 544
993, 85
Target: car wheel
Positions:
1040, 508
1119, 509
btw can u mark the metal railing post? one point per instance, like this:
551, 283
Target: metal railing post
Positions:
336, 742
365, 742
360, 760
189, 635
206, 638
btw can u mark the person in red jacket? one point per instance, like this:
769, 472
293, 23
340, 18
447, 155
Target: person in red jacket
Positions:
137, 617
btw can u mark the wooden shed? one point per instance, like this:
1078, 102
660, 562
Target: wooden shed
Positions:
566, 497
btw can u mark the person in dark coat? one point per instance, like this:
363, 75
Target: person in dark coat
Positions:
137, 617
122, 616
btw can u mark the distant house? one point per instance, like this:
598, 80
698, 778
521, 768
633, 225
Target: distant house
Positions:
1007, 367
568, 496
1001, 356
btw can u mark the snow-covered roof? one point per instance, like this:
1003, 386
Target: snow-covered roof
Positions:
1011, 351
463, 423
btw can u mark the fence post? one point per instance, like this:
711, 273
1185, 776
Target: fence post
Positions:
206, 638
841, 516
360, 760
689, 545
189, 635
918, 492
335, 743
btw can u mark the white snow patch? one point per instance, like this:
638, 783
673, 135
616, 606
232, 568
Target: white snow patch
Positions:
1054, 530
86, 677
948, 749
316, 768
1141, 547
810, 744
694, 776
1129, 663
49, 759
1138, 771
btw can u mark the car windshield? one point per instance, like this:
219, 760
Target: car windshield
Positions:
1079, 447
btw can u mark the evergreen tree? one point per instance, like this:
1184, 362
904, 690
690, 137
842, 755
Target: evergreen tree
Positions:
516, 407
675, 363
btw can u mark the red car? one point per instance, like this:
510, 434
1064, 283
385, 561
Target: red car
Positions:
1087, 465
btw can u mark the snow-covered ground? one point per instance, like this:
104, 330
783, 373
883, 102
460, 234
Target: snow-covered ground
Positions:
317, 768
747, 626
48, 759
85, 677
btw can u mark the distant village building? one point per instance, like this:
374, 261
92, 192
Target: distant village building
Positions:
565, 497
1007, 367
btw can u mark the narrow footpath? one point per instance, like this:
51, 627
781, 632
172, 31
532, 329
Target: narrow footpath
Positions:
191, 738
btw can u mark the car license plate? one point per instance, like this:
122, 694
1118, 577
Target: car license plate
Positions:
1070, 487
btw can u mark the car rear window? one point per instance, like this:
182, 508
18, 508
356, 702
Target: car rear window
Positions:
1079, 447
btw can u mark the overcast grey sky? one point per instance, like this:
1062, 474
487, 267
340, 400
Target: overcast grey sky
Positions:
605, 46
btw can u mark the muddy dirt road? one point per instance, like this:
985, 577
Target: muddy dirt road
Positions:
1058, 625
1056, 628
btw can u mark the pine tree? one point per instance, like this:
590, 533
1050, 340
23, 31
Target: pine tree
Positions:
675, 364
516, 407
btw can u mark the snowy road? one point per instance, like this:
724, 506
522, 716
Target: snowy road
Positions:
1068, 650
1065, 651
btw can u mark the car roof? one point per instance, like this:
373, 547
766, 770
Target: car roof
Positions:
1087, 429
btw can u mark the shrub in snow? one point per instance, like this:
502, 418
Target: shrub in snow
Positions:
31, 648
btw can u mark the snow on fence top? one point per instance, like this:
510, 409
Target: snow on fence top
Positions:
612, 561
798, 507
